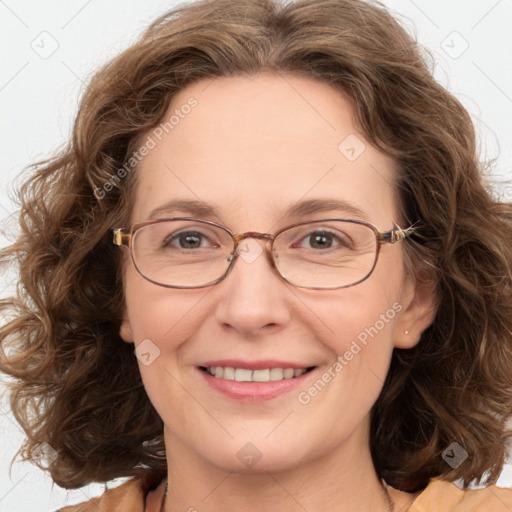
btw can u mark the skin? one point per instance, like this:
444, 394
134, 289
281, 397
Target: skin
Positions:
252, 146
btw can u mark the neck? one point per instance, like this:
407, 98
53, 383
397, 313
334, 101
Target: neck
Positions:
342, 480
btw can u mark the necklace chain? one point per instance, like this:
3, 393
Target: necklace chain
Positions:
391, 503
162, 508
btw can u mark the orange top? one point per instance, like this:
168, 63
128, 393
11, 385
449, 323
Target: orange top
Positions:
146, 494
442, 496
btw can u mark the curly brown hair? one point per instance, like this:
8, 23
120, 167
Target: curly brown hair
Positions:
76, 385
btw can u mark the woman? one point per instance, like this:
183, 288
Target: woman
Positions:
266, 275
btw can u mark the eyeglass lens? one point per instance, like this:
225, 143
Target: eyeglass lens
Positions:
327, 254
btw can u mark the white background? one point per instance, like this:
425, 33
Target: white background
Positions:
471, 42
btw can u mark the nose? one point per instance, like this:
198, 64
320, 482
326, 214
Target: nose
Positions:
253, 298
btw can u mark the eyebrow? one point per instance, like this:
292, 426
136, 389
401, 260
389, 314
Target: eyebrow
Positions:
196, 208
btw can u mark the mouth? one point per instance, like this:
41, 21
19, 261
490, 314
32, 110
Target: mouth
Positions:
254, 382
256, 375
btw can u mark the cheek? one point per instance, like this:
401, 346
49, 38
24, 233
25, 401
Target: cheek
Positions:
356, 316
361, 324
162, 320
360, 343
158, 311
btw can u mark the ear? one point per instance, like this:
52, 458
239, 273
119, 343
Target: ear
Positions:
420, 302
125, 330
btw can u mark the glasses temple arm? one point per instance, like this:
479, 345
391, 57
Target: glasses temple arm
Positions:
120, 237
397, 234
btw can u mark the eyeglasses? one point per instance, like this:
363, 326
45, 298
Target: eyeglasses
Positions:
184, 252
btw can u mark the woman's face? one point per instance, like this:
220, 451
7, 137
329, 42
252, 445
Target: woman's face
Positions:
252, 147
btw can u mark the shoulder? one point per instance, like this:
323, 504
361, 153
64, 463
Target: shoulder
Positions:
139, 494
443, 496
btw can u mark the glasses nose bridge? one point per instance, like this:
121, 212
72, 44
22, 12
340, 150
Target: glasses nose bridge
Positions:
238, 238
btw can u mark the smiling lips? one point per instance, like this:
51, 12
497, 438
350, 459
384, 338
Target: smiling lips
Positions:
258, 371
247, 375
255, 381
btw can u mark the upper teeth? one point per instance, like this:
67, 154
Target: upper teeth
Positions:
245, 375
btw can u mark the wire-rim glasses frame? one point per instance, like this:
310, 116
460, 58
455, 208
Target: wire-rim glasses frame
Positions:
125, 236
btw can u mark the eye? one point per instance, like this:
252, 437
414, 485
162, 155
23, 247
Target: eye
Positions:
324, 239
187, 240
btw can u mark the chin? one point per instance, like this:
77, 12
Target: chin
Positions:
262, 466
253, 457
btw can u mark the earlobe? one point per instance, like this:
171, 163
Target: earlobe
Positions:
418, 314
125, 330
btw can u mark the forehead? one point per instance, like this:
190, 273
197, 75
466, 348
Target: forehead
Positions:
251, 147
